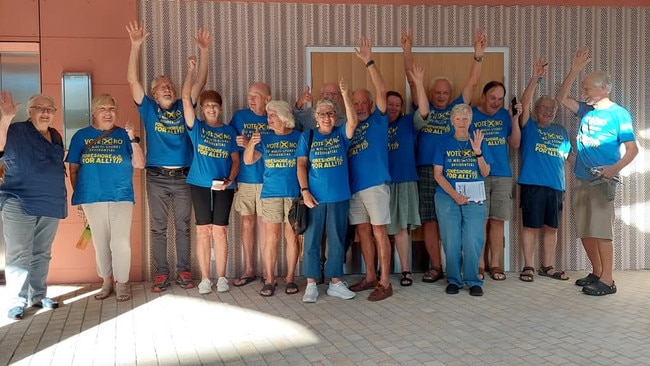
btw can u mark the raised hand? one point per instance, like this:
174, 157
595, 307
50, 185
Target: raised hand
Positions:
304, 98
130, 130
476, 141
343, 86
581, 59
417, 74
407, 40
256, 137
137, 34
539, 68
7, 107
202, 39
191, 63
364, 52
242, 140
480, 41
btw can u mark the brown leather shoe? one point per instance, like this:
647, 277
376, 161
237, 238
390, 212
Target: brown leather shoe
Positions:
381, 292
363, 285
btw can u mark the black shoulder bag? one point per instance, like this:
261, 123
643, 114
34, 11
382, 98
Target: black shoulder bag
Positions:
298, 211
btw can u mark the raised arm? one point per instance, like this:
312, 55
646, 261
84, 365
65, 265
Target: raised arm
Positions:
480, 40
364, 52
483, 166
580, 60
417, 75
203, 41
186, 93
137, 34
350, 113
303, 99
137, 158
407, 45
8, 111
539, 70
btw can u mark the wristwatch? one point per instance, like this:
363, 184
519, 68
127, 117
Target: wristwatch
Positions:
136, 140
479, 58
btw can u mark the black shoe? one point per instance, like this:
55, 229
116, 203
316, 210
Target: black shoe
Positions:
599, 288
452, 289
586, 281
46, 303
476, 291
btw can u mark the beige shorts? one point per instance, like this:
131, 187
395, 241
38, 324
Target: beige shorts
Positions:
276, 210
593, 212
498, 192
372, 205
247, 199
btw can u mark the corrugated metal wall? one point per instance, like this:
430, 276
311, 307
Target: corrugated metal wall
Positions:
266, 41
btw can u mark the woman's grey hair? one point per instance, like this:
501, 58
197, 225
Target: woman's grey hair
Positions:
102, 99
284, 111
461, 108
32, 100
324, 103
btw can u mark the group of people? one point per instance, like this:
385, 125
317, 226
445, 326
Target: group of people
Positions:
355, 159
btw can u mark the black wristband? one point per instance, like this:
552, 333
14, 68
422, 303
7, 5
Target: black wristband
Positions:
370, 63
479, 155
135, 140
304, 189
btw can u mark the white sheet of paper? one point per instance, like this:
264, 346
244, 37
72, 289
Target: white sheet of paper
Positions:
474, 190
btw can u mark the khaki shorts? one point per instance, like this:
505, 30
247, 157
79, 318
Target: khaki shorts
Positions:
276, 210
498, 192
247, 199
593, 212
372, 205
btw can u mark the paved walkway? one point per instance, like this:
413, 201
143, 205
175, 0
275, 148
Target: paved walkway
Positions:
547, 322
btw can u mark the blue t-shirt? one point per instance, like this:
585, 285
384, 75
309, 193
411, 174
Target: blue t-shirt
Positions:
34, 171
167, 142
543, 152
497, 129
458, 161
368, 153
328, 164
600, 135
245, 121
438, 126
280, 171
213, 147
401, 150
105, 169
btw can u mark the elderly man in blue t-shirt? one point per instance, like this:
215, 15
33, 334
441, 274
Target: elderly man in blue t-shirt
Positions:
169, 155
604, 127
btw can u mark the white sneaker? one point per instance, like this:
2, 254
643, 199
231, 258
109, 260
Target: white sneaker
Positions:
311, 292
340, 290
205, 287
222, 285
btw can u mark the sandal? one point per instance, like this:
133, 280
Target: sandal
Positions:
497, 274
527, 277
481, 273
243, 281
291, 288
558, 275
430, 277
599, 288
268, 290
105, 292
406, 280
123, 291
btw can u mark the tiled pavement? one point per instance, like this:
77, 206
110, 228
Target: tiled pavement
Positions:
547, 322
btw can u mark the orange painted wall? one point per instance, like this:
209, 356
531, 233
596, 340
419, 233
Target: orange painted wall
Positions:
79, 36
618, 3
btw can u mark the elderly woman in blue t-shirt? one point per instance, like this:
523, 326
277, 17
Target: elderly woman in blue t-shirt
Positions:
101, 159
278, 150
323, 176
460, 164
32, 199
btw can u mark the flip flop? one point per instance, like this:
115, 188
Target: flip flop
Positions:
105, 292
243, 281
291, 288
406, 281
268, 290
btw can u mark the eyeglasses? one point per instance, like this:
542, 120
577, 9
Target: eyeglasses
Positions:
325, 114
39, 109
107, 109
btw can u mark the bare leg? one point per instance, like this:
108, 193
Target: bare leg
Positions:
220, 239
591, 247
270, 253
528, 238
248, 241
496, 245
293, 251
606, 254
402, 245
432, 242
364, 233
203, 245
383, 249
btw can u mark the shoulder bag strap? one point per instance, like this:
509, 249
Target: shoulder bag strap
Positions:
93, 142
